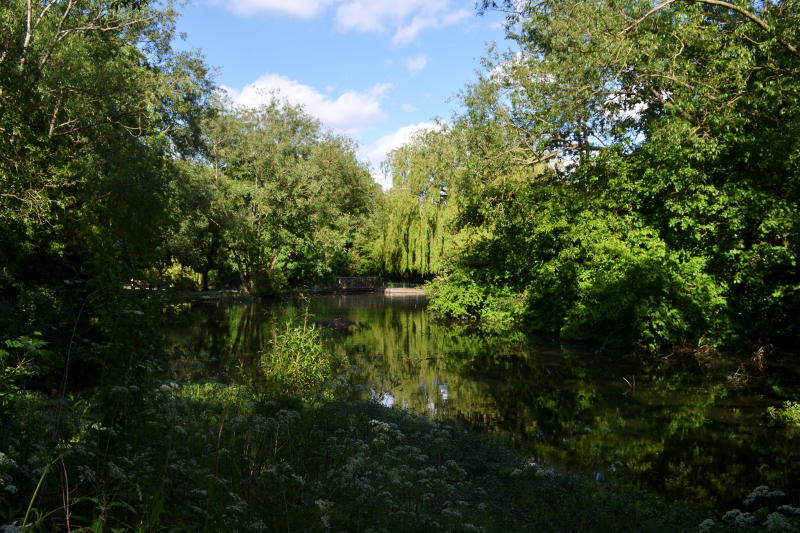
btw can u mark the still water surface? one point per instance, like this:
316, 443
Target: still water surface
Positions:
683, 431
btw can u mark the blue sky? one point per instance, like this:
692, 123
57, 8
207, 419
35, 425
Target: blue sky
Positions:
375, 70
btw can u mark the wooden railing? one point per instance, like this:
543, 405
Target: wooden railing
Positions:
361, 283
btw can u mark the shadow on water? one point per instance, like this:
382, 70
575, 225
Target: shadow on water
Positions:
675, 431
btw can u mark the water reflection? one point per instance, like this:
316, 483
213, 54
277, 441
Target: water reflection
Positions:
669, 430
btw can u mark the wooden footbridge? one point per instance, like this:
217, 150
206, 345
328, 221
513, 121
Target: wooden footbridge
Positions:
359, 284
372, 284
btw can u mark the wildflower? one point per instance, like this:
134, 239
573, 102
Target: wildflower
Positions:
5, 460
776, 522
762, 491
738, 517
706, 526
115, 472
788, 509
453, 513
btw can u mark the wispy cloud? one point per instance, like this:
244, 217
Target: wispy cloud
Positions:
405, 19
416, 63
349, 112
409, 31
296, 8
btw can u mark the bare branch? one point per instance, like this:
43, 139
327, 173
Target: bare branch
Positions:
62, 20
54, 116
27, 40
44, 11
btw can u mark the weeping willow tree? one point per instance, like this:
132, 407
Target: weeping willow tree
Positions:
415, 237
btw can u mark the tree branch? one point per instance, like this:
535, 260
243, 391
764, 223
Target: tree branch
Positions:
741, 11
660, 6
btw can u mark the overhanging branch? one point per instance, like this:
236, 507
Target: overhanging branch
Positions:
733, 7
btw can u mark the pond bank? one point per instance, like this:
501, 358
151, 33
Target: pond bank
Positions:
675, 430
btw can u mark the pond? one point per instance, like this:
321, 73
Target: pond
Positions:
685, 430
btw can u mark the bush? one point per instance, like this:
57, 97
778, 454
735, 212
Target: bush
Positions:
788, 415
296, 363
460, 296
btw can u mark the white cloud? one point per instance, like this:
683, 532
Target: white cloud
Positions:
410, 31
404, 18
297, 8
347, 113
416, 63
408, 108
376, 152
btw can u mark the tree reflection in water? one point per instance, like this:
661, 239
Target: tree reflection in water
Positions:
674, 430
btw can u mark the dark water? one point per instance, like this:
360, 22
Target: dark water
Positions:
686, 431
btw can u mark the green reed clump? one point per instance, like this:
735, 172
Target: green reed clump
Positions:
296, 363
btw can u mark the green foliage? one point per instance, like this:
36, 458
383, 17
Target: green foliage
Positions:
296, 362
285, 197
789, 414
89, 118
19, 360
414, 235
458, 296
632, 171
609, 279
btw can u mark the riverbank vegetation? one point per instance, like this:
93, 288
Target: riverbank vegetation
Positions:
148, 451
630, 173
627, 175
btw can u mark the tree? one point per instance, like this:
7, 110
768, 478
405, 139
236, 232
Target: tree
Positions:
95, 109
669, 206
92, 102
294, 194
415, 236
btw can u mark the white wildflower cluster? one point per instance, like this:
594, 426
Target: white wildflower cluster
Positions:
239, 506
789, 510
6, 464
738, 518
782, 520
399, 472
777, 522
122, 389
324, 507
284, 473
168, 387
706, 526
115, 472
762, 492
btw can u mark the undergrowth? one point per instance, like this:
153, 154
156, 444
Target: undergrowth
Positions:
213, 457
146, 454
